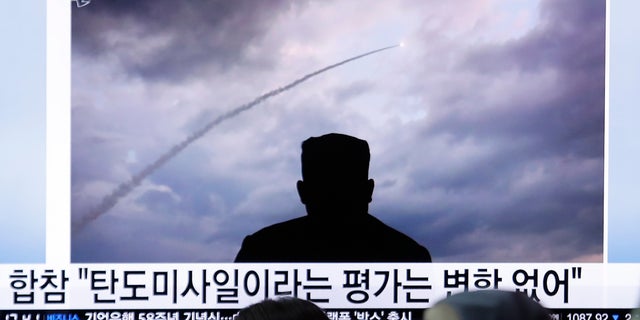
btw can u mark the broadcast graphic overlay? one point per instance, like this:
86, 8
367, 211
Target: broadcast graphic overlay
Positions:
485, 123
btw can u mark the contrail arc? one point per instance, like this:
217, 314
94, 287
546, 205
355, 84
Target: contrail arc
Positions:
125, 188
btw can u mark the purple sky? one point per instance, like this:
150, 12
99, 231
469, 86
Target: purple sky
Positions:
486, 129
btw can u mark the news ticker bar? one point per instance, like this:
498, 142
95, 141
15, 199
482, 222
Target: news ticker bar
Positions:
333, 314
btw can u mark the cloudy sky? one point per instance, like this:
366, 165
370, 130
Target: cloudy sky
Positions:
486, 129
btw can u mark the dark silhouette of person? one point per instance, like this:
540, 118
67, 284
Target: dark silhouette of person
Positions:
336, 191
487, 305
287, 308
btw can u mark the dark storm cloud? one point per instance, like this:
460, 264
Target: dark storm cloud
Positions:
352, 90
482, 150
580, 24
181, 37
555, 135
574, 115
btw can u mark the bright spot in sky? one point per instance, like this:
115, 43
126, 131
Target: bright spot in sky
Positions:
402, 43
132, 156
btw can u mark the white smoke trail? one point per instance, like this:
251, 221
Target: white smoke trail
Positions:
124, 188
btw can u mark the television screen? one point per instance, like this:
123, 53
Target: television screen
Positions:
499, 135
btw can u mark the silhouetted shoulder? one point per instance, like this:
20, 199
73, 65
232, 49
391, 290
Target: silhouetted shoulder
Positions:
304, 239
397, 244
275, 243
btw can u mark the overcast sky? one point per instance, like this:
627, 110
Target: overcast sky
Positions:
486, 129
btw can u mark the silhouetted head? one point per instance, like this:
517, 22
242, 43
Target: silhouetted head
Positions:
288, 308
487, 305
335, 176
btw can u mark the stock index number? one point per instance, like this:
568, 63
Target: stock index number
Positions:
596, 316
